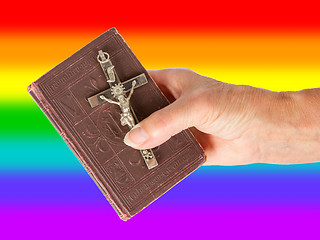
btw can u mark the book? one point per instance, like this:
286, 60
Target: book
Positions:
95, 134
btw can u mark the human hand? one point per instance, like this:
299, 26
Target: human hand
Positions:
235, 124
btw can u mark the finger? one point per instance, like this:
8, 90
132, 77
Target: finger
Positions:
175, 80
161, 78
161, 125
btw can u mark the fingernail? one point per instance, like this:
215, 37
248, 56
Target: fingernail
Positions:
136, 136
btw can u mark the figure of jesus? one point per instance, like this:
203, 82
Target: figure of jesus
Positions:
124, 103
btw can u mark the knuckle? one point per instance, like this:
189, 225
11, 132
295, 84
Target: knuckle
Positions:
200, 105
201, 97
160, 120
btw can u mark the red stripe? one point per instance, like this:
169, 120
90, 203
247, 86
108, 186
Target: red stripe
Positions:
161, 14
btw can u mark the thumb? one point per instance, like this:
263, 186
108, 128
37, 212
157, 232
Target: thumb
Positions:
161, 125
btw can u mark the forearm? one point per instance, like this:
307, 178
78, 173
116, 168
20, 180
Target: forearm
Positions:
290, 128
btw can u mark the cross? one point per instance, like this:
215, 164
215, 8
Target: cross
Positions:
117, 92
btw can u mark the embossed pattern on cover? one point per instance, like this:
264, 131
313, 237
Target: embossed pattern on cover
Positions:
95, 135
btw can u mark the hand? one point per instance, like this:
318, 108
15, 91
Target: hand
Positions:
235, 124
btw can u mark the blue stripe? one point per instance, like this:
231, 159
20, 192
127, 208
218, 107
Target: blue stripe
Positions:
62, 188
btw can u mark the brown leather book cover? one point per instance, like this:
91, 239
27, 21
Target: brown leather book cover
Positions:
95, 134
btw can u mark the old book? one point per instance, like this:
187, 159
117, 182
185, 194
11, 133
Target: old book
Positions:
95, 133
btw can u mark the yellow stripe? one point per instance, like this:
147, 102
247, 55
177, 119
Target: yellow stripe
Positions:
15, 85
276, 62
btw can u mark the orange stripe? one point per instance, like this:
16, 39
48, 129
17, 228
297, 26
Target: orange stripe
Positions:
182, 49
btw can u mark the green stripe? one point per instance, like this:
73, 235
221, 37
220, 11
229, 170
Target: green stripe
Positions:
25, 119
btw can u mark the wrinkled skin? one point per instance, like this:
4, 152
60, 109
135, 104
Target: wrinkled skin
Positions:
235, 124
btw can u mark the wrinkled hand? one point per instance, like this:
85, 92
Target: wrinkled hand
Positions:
235, 124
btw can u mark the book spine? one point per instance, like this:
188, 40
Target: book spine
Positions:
46, 108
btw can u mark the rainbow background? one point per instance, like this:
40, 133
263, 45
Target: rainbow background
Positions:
44, 191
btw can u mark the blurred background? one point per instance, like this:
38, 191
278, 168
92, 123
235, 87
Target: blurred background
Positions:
44, 191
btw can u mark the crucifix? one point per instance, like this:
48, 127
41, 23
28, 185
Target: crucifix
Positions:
116, 94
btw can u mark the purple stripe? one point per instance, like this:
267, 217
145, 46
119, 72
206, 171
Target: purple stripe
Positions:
198, 222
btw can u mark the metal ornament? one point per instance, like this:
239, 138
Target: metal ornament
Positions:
117, 91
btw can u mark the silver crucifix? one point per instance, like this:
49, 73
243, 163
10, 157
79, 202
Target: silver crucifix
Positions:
117, 91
